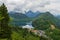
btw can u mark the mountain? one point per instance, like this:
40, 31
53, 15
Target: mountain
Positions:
18, 19
17, 15
28, 14
50, 24
32, 14
21, 19
58, 16
45, 21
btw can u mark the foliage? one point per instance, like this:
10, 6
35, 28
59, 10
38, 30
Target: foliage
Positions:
5, 30
53, 34
23, 34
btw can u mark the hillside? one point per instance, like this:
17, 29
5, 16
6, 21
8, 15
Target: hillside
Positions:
45, 20
22, 34
17, 15
53, 34
50, 24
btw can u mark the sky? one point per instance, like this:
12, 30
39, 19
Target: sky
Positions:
52, 6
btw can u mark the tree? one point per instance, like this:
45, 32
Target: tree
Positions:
5, 29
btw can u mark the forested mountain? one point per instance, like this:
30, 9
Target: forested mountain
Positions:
17, 15
28, 14
19, 19
48, 23
45, 20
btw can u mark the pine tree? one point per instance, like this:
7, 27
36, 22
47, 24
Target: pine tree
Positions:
5, 29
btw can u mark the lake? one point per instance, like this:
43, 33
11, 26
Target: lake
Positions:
17, 23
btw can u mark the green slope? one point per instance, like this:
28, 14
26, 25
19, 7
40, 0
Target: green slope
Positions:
44, 23
22, 34
53, 34
45, 20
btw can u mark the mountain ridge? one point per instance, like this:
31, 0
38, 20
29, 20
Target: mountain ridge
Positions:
46, 19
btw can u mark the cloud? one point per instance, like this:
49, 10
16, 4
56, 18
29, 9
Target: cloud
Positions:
23, 5
35, 5
2, 1
54, 7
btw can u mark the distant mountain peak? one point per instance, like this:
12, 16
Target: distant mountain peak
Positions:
32, 14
